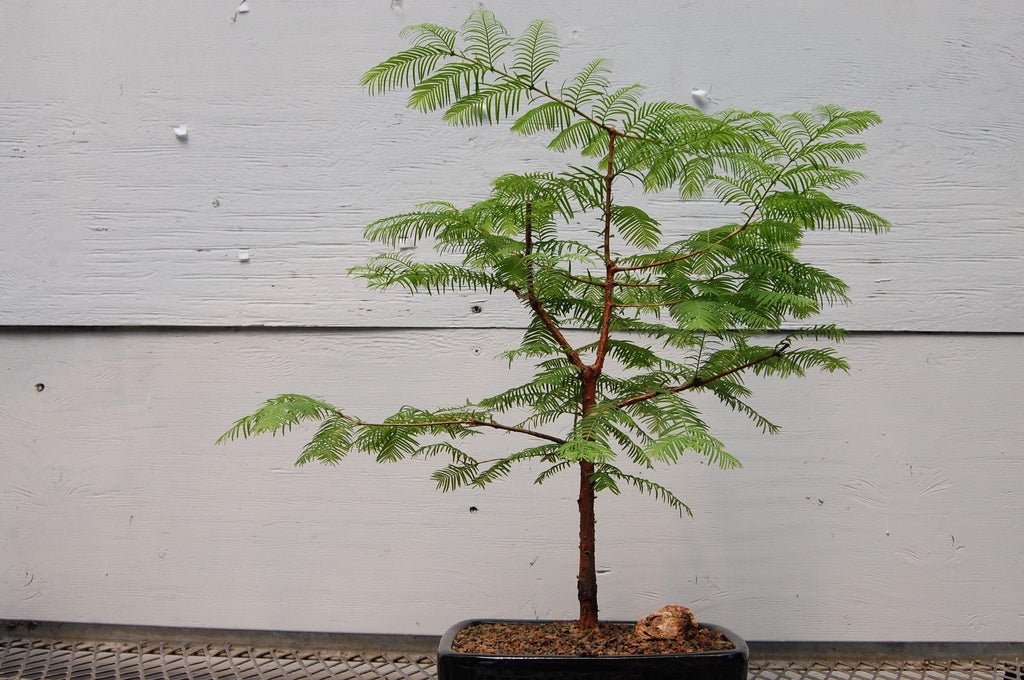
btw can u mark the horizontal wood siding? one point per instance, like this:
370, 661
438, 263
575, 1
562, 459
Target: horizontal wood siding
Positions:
889, 508
108, 219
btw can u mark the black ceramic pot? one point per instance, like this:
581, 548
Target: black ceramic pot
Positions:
729, 664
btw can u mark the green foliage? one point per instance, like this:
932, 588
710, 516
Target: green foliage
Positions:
279, 415
536, 51
673, 313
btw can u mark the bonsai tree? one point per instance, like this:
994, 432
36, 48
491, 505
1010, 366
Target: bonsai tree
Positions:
667, 314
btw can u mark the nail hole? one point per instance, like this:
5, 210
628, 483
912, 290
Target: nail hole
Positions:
476, 309
476, 351
473, 509
40, 387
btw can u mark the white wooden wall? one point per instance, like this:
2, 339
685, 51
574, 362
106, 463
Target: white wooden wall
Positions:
889, 509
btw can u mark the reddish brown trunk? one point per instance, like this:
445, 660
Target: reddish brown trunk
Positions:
586, 581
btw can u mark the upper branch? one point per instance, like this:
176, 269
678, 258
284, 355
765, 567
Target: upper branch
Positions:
546, 93
667, 303
618, 284
693, 253
738, 230
609, 263
535, 304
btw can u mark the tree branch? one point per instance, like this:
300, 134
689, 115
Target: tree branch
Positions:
469, 422
528, 246
546, 93
531, 296
609, 263
693, 253
743, 227
779, 350
667, 303
600, 284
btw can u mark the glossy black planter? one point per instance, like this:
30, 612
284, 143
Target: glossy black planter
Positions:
729, 664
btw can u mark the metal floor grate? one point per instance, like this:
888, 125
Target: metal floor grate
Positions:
30, 659
54, 660
883, 670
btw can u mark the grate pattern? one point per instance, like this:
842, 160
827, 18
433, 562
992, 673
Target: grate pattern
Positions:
25, 659
886, 670
57, 660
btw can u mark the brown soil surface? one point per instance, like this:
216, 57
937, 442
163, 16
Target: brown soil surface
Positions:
567, 638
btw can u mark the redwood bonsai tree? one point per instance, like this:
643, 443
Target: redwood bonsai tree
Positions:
668, 314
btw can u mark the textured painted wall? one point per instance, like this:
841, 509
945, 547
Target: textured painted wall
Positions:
889, 508
109, 219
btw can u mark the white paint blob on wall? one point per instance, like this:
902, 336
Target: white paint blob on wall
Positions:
889, 508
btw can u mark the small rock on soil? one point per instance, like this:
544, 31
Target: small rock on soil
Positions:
668, 623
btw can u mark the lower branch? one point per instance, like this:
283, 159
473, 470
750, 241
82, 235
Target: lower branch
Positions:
779, 350
472, 422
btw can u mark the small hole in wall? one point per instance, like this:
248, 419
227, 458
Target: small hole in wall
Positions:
40, 387
474, 509
476, 309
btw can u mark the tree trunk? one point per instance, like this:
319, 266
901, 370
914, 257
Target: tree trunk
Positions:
586, 581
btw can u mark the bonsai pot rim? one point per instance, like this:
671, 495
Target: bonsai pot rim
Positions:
444, 648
